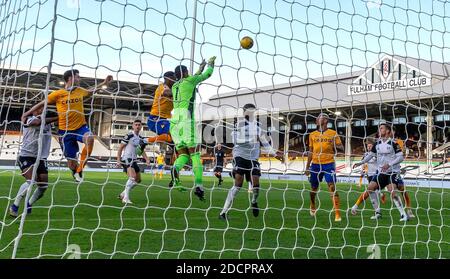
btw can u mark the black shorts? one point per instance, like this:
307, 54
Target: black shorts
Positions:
246, 167
384, 179
129, 163
26, 162
218, 169
371, 177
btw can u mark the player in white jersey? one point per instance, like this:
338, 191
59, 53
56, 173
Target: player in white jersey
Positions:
247, 139
28, 156
127, 158
389, 156
370, 170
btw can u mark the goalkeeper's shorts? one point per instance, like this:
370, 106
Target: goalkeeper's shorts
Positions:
184, 133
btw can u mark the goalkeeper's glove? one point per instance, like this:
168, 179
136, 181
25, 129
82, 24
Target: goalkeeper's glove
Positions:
211, 61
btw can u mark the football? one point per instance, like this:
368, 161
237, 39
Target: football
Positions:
247, 42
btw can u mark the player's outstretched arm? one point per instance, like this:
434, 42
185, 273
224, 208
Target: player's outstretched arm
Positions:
365, 160
201, 68
147, 160
204, 76
119, 154
32, 110
99, 86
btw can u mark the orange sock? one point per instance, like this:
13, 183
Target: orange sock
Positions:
336, 204
86, 152
160, 138
361, 198
407, 200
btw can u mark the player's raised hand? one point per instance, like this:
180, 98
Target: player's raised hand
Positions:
356, 165
201, 68
203, 64
211, 61
279, 156
307, 172
385, 167
108, 79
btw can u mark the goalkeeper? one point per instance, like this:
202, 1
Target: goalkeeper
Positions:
182, 124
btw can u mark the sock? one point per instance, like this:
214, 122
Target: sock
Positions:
197, 168
220, 177
181, 161
128, 186
398, 203
86, 152
255, 193
230, 197
374, 199
362, 198
38, 193
160, 138
312, 196
336, 204
407, 199
22, 192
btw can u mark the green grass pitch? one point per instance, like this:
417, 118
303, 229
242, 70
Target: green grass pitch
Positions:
165, 223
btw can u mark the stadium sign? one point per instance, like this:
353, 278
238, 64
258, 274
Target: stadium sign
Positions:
389, 74
389, 85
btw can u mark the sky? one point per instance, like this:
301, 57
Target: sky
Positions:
138, 40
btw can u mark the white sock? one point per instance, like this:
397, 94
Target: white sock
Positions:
230, 197
38, 193
255, 194
374, 199
22, 192
128, 186
398, 203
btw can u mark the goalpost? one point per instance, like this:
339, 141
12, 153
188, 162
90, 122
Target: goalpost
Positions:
361, 62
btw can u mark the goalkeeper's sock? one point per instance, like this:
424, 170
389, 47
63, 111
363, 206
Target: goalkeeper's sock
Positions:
255, 193
128, 186
160, 138
38, 193
180, 162
197, 168
374, 199
22, 192
86, 152
230, 197
362, 198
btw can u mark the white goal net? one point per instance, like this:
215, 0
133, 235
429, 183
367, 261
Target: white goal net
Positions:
343, 66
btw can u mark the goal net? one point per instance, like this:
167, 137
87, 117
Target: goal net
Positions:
347, 66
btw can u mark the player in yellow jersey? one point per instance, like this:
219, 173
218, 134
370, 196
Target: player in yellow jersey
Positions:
160, 113
160, 162
322, 146
71, 119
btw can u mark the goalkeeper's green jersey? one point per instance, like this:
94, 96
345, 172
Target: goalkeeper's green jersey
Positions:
184, 91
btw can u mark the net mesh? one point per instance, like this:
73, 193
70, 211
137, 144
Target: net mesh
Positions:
361, 62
